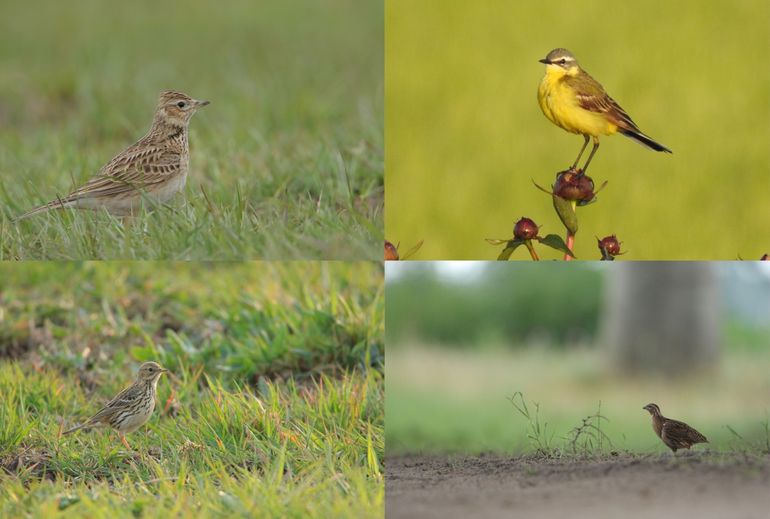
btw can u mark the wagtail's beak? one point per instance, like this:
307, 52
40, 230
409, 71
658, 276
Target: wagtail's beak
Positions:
545, 60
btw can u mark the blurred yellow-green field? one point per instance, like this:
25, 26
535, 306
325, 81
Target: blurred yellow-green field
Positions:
466, 138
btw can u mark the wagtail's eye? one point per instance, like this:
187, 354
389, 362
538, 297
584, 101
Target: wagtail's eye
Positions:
181, 104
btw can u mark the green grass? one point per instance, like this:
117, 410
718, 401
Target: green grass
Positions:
466, 137
444, 401
286, 162
275, 404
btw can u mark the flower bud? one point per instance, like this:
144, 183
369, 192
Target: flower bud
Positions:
391, 252
574, 185
525, 229
609, 247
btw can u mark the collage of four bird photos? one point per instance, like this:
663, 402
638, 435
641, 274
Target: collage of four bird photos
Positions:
199, 276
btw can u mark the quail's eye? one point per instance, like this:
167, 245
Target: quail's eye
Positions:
182, 104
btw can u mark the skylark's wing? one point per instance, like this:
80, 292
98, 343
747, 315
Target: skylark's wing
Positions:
138, 167
592, 97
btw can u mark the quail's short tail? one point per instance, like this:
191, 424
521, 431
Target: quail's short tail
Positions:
643, 140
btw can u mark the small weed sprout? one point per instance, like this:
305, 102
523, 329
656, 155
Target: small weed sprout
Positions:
588, 437
537, 433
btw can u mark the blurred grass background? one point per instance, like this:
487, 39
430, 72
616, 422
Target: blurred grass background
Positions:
289, 153
466, 137
274, 405
461, 341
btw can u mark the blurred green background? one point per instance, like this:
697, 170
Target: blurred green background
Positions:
465, 336
289, 153
466, 137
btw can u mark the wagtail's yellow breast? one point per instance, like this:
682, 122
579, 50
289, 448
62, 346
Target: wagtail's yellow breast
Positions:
559, 103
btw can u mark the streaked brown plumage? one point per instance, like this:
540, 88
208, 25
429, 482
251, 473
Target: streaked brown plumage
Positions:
132, 407
675, 434
152, 169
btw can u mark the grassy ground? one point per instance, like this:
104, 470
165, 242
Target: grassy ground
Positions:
275, 404
466, 137
286, 162
461, 403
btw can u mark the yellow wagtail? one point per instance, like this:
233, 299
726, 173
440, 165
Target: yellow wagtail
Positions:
576, 102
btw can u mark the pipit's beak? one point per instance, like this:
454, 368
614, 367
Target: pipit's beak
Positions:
202, 103
163, 370
545, 60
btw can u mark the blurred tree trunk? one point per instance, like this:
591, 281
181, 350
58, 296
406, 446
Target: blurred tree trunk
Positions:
661, 316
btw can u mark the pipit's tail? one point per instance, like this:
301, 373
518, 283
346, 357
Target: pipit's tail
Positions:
643, 140
81, 426
55, 204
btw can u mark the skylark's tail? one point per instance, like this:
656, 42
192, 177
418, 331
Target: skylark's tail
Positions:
644, 140
55, 204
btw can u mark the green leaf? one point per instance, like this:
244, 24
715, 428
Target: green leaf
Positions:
566, 213
512, 245
555, 242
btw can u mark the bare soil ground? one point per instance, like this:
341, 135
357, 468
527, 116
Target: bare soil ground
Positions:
698, 485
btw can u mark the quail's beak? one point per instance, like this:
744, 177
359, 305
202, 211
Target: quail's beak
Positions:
201, 103
545, 60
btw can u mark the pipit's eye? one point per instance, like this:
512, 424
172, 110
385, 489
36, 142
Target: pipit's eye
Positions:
181, 104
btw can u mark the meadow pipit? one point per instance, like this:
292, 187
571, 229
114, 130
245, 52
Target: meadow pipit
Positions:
132, 407
153, 169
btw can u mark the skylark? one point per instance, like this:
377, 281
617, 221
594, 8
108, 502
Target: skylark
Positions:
132, 407
154, 169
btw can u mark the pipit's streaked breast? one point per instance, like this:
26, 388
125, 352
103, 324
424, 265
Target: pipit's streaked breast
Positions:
153, 169
132, 407
571, 99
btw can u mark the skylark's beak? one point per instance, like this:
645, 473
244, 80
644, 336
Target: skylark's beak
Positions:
201, 103
545, 60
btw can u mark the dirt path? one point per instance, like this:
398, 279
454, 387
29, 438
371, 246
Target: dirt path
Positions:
700, 486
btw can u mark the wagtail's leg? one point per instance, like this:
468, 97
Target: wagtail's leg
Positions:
596, 147
581, 152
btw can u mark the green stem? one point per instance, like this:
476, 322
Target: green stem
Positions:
570, 245
531, 249
570, 241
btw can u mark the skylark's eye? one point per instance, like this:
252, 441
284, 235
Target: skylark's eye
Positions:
181, 104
